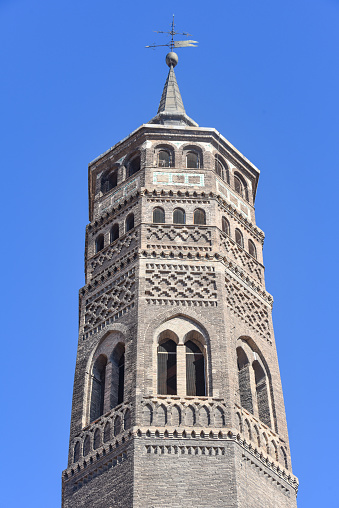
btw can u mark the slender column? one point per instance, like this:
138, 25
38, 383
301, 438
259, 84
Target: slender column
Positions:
181, 370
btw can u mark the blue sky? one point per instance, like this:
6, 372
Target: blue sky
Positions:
75, 79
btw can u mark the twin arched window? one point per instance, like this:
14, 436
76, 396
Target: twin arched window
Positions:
134, 165
108, 379
240, 186
167, 369
253, 375
222, 170
109, 181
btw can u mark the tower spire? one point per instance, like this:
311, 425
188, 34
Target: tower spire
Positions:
171, 108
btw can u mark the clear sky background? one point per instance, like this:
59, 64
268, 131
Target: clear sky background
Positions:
75, 79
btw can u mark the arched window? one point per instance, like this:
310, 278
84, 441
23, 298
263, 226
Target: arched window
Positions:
76, 455
239, 238
158, 215
252, 249
114, 233
99, 243
221, 170
96, 439
98, 387
129, 222
118, 375
134, 165
199, 216
167, 368
164, 159
195, 370
262, 393
127, 419
240, 186
86, 446
109, 181
179, 216
192, 160
107, 432
225, 225
117, 425
244, 380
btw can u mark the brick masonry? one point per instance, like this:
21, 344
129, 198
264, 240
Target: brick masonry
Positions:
190, 282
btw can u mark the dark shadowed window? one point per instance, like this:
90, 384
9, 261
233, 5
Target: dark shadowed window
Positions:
239, 238
244, 380
252, 249
114, 232
192, 160
118, 375
195, 370
129, 222
262, 393
225, 226
164, 159
121, 367
158, 215
99, 243
134, 165
240, 186
109, 181
221, 170
178, 216
76, 452
167, 368
199, 216
98, 387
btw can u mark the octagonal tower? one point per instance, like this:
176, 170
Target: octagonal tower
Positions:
177, 395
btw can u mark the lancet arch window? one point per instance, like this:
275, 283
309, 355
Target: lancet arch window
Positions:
158, 215
167, 367
118, 375
98, 387
195, 370
129, 222
240, 186
99, 243
199, 216
262, 393
221, 169
239, 238
114, 234
179, 216
244, 378
225, 226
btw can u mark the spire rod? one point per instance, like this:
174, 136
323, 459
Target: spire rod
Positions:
172, 43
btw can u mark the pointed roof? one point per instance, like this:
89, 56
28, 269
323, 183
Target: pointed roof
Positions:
171, 108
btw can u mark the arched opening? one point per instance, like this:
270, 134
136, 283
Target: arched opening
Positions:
86, 446
158, 215
240, 186
239, 238
118, 375
109, 181
114, 233
244, 380
192, 160
225, 225
98, 387
262, 393
129, 222
179, 216
96, 439
252, 249
164, 159
195, 370
107, 432
221, 170
99, 243
167, 367
199, 216
134, 165
76, 455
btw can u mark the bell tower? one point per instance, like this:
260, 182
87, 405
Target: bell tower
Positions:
177, 396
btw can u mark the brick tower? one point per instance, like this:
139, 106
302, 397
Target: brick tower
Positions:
177, 395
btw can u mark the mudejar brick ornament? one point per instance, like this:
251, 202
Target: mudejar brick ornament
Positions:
177, 396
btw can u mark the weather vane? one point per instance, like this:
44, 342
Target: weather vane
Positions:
172, 58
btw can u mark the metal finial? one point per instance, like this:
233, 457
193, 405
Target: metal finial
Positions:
172, 58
